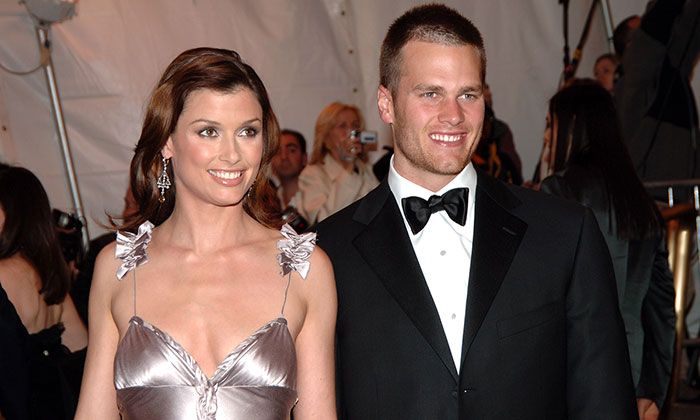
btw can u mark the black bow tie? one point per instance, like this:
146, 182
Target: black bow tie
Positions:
418, 211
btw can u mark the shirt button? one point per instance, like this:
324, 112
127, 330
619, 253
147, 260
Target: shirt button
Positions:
443, 252
454, 316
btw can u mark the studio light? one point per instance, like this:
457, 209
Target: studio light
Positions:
50, 11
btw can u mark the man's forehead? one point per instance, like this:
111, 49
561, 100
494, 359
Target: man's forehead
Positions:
431, 63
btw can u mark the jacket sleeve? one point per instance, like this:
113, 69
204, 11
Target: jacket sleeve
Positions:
658, 320
599, 381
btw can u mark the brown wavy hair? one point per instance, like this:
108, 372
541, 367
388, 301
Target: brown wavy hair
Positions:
216, 69
29, 231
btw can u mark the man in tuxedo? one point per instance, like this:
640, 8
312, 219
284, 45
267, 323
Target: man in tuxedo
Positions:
461, 297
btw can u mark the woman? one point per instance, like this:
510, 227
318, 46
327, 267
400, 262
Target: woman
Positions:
592, 167
336, 175
604, 71
211, 326
43, 339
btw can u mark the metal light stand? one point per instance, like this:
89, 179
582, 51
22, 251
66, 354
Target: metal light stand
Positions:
608, 21
42, 32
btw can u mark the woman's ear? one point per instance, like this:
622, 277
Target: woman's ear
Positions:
167, 150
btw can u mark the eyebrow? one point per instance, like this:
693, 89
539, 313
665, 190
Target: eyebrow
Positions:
211, 122
436, 88
428, 88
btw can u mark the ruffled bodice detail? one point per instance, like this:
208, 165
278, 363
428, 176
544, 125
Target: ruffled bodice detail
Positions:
156, 378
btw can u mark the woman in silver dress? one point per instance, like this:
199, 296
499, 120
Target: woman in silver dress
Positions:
230, 318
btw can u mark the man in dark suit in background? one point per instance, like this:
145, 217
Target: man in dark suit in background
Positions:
461, 297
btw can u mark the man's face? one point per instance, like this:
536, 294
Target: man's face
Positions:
290, 159
436, 113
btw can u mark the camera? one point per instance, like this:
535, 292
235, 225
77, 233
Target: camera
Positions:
291, 216
70, 234
365, 137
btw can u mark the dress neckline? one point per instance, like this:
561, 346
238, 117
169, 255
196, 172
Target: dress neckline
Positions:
223, 366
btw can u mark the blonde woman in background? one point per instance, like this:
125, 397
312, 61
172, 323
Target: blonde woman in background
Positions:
336, 175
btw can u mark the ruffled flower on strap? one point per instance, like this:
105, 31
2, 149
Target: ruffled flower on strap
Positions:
295, 251
131, 248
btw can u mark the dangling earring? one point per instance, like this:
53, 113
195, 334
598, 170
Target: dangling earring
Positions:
163, 181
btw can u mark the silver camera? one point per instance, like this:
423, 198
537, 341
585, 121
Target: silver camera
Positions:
365, 137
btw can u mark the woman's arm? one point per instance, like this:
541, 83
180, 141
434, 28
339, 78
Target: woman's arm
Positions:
315, 344
75, 336
98, 396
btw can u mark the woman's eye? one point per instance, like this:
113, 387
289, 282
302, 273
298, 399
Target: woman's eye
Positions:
208, 132
248, 132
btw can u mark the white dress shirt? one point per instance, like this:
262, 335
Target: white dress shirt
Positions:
444, 250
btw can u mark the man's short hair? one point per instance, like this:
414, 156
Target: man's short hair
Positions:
434, 23
300, 138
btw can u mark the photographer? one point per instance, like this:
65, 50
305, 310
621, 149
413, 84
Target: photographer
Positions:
337, 174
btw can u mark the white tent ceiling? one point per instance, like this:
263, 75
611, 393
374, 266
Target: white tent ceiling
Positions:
308, 53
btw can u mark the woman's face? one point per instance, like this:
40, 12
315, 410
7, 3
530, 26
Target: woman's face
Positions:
217, 146
604, 73
341, 146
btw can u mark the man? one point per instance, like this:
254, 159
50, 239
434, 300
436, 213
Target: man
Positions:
654, 98
287, 164
507, 311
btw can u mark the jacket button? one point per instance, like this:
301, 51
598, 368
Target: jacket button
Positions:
454, 394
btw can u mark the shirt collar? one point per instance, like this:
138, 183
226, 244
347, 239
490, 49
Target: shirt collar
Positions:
402, 187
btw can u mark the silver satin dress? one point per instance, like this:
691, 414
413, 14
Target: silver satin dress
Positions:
156, 378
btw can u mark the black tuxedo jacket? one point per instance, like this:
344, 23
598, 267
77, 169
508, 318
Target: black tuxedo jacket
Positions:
543, 337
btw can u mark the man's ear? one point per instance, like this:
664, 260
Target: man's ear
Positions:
167, 150
385, 103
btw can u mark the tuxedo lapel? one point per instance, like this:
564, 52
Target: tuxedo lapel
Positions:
387, 249
497, 235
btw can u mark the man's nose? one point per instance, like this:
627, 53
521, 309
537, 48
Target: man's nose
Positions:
451, 112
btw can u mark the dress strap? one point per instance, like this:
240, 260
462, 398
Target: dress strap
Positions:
131, 249
295, 252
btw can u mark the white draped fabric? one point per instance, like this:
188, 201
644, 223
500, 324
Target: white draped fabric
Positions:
308, 53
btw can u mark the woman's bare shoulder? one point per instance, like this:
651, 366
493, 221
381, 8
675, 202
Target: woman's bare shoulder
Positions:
21, 282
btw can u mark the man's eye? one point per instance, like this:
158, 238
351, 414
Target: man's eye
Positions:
208, 132
429, 94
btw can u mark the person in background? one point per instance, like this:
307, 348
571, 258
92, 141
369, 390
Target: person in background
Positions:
287, 164
496, 152
43, 341
335, 176
654, 98
209, 310
592, 167
501, 134
605, 71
